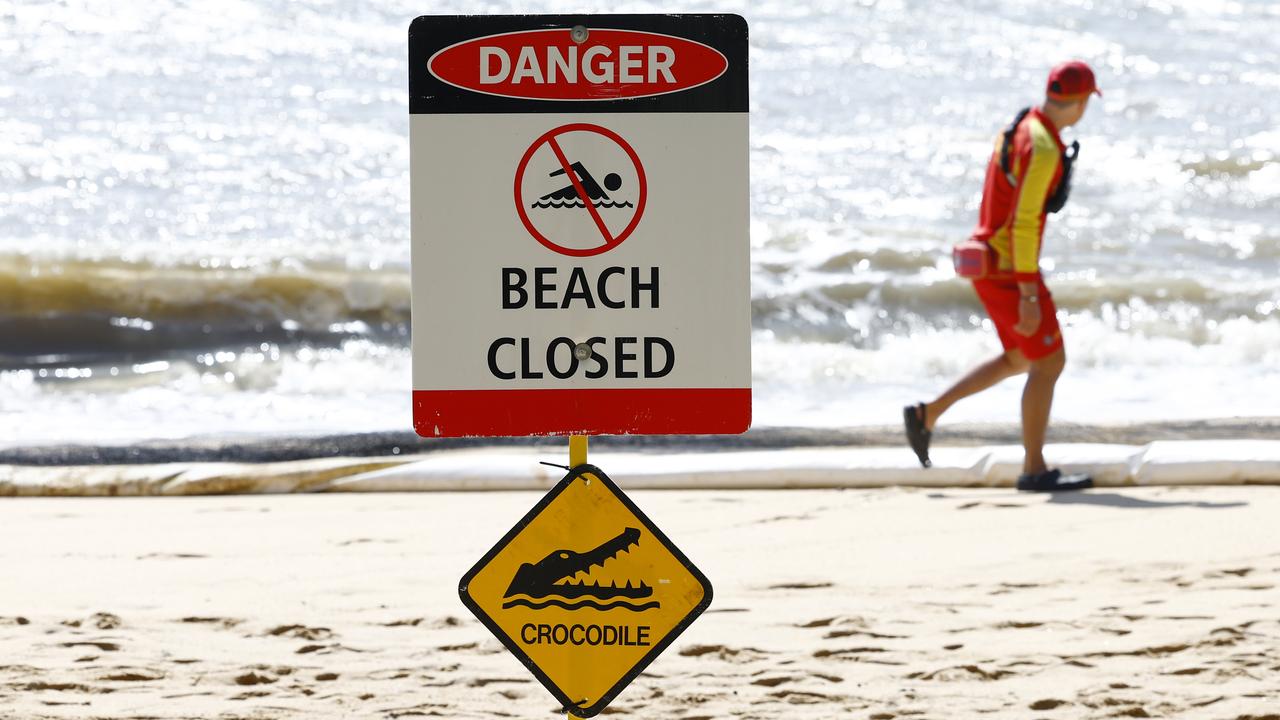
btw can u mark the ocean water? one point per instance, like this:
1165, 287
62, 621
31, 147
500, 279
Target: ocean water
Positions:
204, 220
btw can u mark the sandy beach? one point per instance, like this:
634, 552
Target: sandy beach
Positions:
892, 603
225, 270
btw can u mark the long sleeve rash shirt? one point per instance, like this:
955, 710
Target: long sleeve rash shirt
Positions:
1012, 218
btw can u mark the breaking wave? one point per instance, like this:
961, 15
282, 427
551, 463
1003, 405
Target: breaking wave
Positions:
67, 311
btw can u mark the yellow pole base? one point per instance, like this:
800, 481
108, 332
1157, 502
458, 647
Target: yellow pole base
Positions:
577, 450
577, 456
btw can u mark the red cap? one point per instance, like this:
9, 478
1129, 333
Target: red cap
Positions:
1071, 81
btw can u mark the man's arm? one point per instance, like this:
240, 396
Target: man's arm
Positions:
1028, 217
1028, 212
1028, 309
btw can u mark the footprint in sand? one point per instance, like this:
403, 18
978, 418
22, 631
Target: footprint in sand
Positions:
262, 675
132, 675
801, 697
65, 687
302, 632
410, 622
1013, 625
102, 621
1007, 588
1119, 707
846, 652
446, 622
482, 682
326, 649
863, 633
740, 655
366, 541
105, 621
172, 556
253, 678
224, 623
961, 673
773, 681
781, 518
511, 694
100, 644
801, 586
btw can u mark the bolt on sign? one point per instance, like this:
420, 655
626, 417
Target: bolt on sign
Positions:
586, 591
580, 247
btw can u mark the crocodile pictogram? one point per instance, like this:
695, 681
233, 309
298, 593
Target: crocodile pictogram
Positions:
549, 582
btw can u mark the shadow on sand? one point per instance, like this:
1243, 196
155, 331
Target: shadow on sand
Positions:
1116, 500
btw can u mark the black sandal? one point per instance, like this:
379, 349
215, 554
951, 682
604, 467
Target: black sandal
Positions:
918, 436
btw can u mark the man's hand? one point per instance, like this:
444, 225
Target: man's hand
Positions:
1028, 309
1028, 318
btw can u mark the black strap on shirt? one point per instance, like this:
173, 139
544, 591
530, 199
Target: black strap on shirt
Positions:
1058, 199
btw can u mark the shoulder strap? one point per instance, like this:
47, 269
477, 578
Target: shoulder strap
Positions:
1006, 146
1058, 199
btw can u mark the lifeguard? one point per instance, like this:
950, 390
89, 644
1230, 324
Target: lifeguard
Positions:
1028, 175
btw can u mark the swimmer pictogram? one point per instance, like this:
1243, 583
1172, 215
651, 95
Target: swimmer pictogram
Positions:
580, 189
568, 197
551, 581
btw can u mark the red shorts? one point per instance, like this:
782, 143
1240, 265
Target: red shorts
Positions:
1000, 297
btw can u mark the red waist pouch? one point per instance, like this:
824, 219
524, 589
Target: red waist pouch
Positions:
973, 259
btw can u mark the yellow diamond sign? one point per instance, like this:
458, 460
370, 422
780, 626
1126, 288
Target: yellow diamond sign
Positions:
585, 591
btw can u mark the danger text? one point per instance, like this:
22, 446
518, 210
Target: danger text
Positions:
596, 65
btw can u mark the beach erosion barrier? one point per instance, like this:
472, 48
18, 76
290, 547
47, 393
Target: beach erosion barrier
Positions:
1183, 462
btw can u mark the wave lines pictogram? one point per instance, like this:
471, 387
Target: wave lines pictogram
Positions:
521, 602
575, 203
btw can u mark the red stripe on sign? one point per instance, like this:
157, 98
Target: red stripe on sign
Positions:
501, 413
577, 187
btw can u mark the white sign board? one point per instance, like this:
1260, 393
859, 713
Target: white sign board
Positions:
580, 225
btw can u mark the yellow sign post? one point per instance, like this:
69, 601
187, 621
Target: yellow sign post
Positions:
585, 590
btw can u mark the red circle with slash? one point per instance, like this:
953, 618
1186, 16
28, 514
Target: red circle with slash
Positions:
610, 240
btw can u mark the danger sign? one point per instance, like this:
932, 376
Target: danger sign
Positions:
569, 209
586, 591
550, 64
580, 221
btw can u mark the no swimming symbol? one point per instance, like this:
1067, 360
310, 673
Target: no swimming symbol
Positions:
580, 189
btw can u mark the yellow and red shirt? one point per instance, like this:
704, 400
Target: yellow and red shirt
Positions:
1012, 218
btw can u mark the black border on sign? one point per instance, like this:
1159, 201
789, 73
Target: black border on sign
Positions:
514, 647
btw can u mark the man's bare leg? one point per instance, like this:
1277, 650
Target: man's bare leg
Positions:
1037, 399
978, 379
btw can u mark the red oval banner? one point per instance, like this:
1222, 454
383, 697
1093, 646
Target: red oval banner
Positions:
549, 65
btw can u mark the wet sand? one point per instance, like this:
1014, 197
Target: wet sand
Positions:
898, 603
